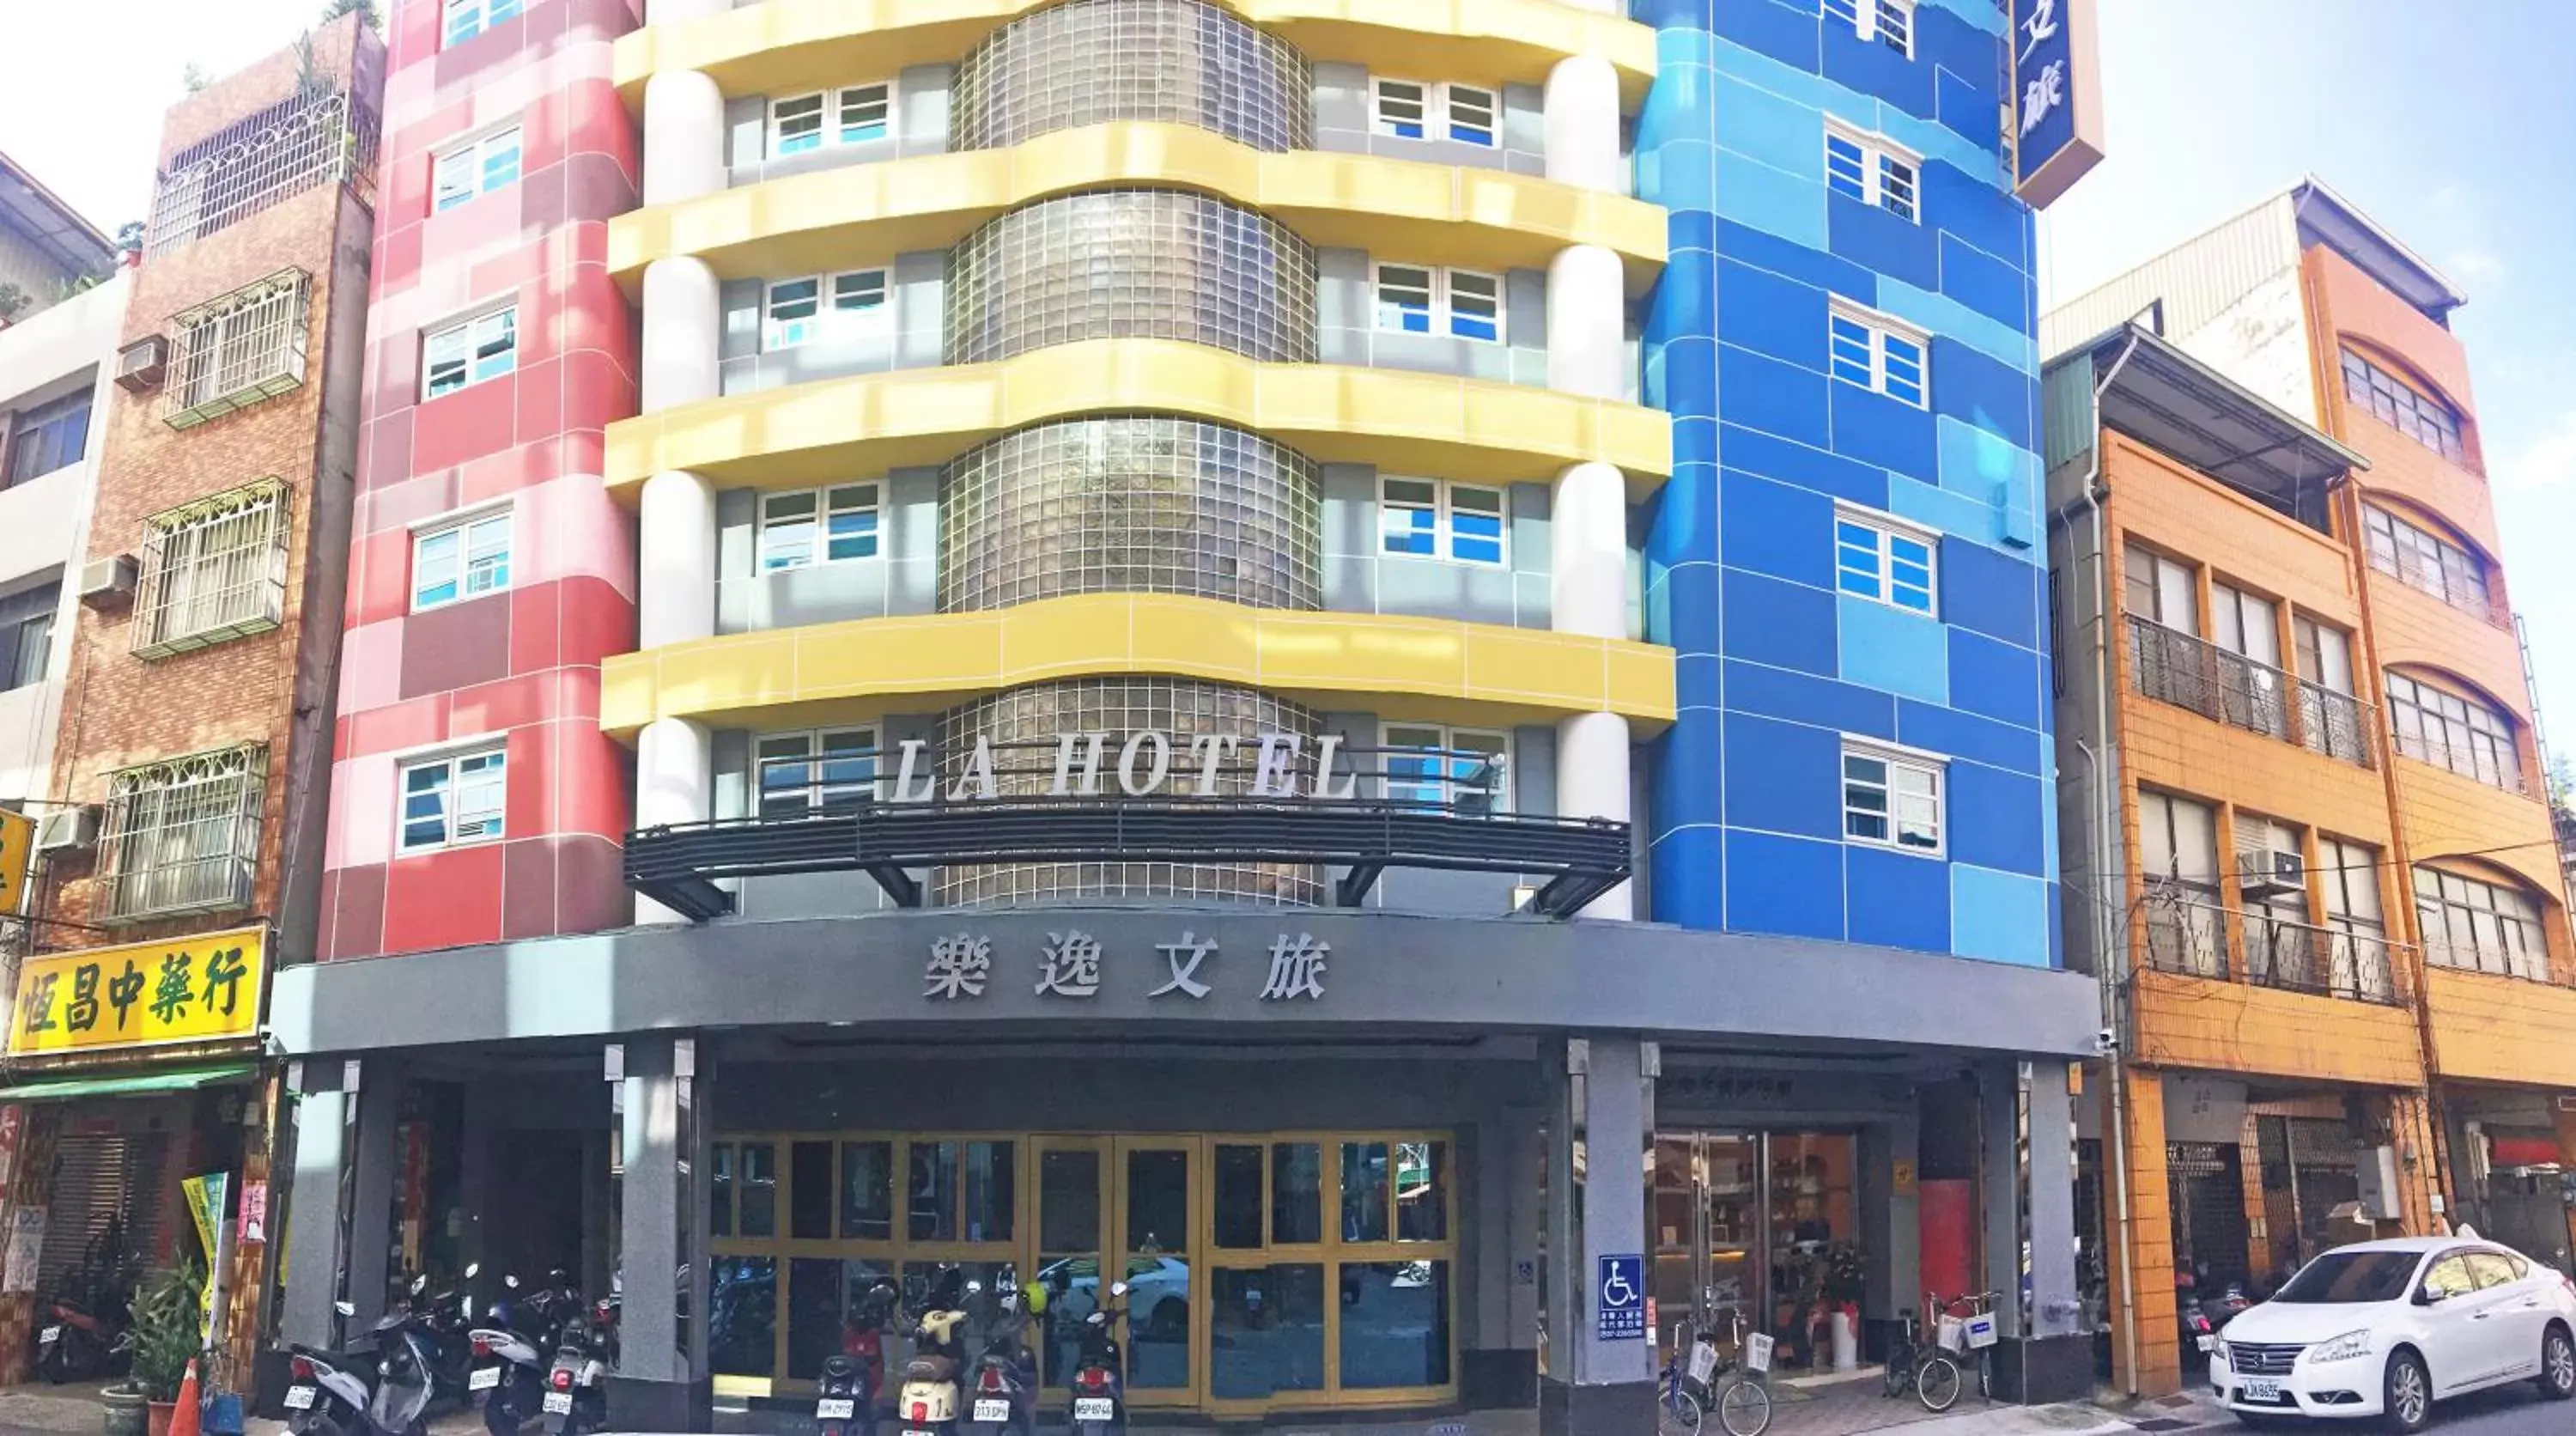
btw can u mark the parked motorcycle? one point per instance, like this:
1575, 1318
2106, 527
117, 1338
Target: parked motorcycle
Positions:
1100, 1370
1006, 1374
377, 1387
846, 1402
511, 1354
575, 1400
79, 1341
928, 1405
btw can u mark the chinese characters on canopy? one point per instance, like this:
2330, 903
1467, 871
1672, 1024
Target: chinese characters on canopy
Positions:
1069, 964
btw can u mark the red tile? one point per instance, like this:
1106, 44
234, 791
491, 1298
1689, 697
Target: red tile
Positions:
585, 451
541, 132
591, 779
379, 577
385, 455
596, 621
397, 726
515, 268
533, 612
397, 261
596, 121
506, 706
531, 805
590, 885
528, 889
597, 391
447, 899
473, 421
354, 912
592, 314
541, 401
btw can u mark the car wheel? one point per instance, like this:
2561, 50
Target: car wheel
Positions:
2558, 1364
2409, 1395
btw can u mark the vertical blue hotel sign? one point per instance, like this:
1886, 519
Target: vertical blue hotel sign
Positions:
2056, 99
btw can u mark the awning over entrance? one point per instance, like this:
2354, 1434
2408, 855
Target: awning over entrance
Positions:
175, 1079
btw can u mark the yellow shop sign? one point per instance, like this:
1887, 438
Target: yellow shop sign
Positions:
182, 989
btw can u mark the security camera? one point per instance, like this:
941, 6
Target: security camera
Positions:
2107, 1041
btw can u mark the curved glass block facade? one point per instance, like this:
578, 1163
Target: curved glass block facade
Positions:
1130, 504
1089, 61
1135, 263
1183, 708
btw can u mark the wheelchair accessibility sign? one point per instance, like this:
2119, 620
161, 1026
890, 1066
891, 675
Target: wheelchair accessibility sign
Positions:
1622, 1308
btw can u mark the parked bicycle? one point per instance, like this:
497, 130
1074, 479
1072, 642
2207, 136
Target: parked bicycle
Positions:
1976, 1334
1736, 1387
1932, 1369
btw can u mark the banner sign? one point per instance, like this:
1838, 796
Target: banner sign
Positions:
2056, 99
187, 989
206, 1204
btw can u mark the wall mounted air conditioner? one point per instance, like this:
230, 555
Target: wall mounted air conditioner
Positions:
108, 582
143, 364
2271, 870
65, 829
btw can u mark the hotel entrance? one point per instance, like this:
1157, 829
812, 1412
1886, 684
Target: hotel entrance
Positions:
1758, 1231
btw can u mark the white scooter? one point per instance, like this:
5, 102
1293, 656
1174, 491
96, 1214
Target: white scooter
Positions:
507, 1364
934, 1378
390, 1405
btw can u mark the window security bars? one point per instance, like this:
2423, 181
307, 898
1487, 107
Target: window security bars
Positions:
212, 570
310, 138
2187, 931
234, 351
182, 836
2174, 667
2337, 725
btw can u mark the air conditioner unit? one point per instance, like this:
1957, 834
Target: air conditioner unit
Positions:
65, 829
2375, 1175
2271, 870
108, 582
143, 364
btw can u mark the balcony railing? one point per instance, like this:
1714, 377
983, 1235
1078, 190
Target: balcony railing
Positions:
2174, 667
2528, 965
2185, 934
2191, 933
2485, 765
2336, 725
2468, 595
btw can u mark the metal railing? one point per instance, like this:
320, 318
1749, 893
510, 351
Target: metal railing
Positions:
2468, 596
2175, 667
313, 137
2185, 933
2336, 725
233, 351
182, 836
213, 570
2331, 962
2482, 765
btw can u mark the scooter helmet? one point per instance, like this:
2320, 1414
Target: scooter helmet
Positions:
948, 1289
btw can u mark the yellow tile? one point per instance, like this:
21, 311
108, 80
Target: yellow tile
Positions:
911, 655
1559, 671
1067, 638
1219, 641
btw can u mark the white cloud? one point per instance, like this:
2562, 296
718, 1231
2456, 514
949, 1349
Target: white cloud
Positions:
2547, 462
2474, 265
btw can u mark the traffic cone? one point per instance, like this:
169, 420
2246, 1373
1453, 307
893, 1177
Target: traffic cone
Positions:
185, 1420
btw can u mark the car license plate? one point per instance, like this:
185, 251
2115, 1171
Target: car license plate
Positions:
917, 1431
483, 1379
558, 1403
299, 1398
1094, 1408
2257, 1390
834, 1409
992, 1411
2208, 1343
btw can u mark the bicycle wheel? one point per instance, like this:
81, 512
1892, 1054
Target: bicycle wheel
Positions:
1744, 1408
1985, 1376
1900, 1371
1677, 1413
1937, 1383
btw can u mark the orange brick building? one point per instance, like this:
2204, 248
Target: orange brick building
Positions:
2292, 698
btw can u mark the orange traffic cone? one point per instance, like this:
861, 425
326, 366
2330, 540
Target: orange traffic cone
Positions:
185, 1419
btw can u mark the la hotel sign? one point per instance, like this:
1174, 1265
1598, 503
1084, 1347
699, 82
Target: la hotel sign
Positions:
1148, 763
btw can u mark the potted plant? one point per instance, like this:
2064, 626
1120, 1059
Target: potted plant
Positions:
163, 1334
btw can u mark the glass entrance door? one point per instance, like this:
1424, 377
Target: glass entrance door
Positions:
1073, 1207
1707, 1206
1156, 1210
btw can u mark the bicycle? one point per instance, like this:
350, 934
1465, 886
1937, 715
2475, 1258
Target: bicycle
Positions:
1977, 1334
1924, 1368
1741, 1390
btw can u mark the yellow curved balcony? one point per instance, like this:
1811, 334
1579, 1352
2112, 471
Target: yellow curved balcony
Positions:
1426, 213
783, 46
1424, 669
1474, 429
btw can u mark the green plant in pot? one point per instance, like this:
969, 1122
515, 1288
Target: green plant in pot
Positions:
163, 1335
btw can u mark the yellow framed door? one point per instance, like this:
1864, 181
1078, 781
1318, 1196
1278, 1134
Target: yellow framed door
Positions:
1156, 1217
1067, 1241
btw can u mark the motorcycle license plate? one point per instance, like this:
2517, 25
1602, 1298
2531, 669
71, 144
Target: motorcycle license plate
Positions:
483, 1379
2256, 1390
2208, 1343
558, 1403
992, 1411
835, 1410
1094, 1408
50, 1335
299, 1398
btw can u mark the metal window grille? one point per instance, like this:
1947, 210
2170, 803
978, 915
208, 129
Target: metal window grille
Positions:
2174, 667
313, 137
213, 570
2330, 962
2186, 929
182, 836
234, 351
2337, 725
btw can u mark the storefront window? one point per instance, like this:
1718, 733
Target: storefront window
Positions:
759, 1194
1395, 1324
809, 1191
991, 1190
1296, 1194
1364, 1191
932, 1188
742, 1326
1237, 1183
1421, 1191
720, 1190
1269, 1335
867, 1191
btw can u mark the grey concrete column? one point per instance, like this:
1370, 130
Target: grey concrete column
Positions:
1892, 1231
376, 1162
1597, 1385
655, 1387
2029, 1182
313, 1217
2001, 1188
476, 1190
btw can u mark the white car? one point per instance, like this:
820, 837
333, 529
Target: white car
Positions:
2385, 1329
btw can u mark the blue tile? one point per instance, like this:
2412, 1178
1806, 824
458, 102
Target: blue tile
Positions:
1939, 144
1893, 247
1974, 388
1992, 593
1994, 680
1783, 777
1955, 515
1698, 681
1804, 698
1878, 69
1984, 283
1776, 31
1689, 867
1776, 529
1971, 208
1684, 527
2002, 917
1894, 651
1771, 314
1781, 624
1765, 250
1981, 15
1804, 465
1774, 129
2056, 925
1875, 429
1898, 899
1695, 441
1945, 317
1689, 772
1997, 819
1759, 392
1690, 229
1789, 886
1690, 375
1678, 173
1961, 103
1755, 195
1979, 465
1692, 594
1945, 39
1965, 735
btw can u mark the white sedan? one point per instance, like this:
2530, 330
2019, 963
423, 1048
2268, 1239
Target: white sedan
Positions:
2385, 1329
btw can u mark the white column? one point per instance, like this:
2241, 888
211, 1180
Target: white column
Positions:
674, 783
1587, 322
683, 327
676, 554
1588, 522
1592, 782
1581, 105
684, 136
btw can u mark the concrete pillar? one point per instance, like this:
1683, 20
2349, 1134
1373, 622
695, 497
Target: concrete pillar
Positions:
676, 554
1581, 105
1587, 322
2150, 1262
1597, 1385
655, 1387
375, 1157
2028, 1178
684, 136
683, 329
1588, 533
1592, 781
313, 1217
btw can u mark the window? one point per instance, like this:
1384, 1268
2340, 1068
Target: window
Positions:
1474, 114
458, 560
474, 168
817, 526
1891, 800
1415, 299
866, 113
1890, 22
27, 633
484, 347
2245, 624
2160, 590
47, 437
803, 773
2424, 561
1465, 770
2451, 731
832, 307
212, 570
1878, 353
1872, 170
850, 115
2403, 407
453, 800
2325, 655
1426, 518
181, 836
2479, 926
234, 351
469, 18
2184, 915
1876, 558
1411, 110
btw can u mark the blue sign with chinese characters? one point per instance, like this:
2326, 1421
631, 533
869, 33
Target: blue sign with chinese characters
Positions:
2056, 118
1621, 1313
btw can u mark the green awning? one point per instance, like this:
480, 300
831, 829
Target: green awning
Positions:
175, 1079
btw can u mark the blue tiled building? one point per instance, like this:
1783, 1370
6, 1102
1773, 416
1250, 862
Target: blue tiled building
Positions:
1849, 557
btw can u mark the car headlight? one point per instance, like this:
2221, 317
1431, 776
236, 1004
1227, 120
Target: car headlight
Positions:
2342, 1348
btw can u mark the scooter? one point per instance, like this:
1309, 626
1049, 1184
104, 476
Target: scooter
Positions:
379, 1388
1100, 1371
1006, 1376
508, 1361
929, 1402
846, 1402
77, 1342
575, 1400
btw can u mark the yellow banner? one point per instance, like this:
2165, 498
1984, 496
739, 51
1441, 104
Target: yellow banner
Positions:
185, 989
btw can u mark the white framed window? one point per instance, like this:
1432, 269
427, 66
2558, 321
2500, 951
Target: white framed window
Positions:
819, 770
795, 124
2481, 926
1420, 299
476, 167
811, 526
469, 351
863, 113
823, 307
453, 799
465, 19
1878, 353
1892, 798
1874, 170
1416, 110
460, 559
1879, 558
1430, 518
846, 115
2451, 730
1890, 22
1465, 770
1402, 108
